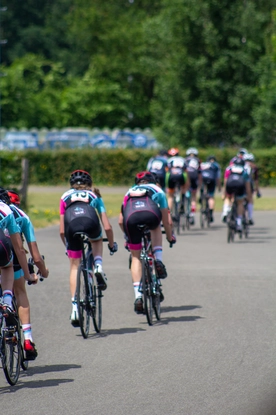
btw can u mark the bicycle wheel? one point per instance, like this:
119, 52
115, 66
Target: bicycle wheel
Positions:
201, 218
11, 352
23, 362
147, 291
96, 306
156, 298
83, 301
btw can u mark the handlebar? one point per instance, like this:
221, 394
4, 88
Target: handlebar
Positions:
32, 271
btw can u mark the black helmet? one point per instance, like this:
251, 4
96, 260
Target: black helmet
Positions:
146, 176
80, 177
4, 197
211, 158
239, 162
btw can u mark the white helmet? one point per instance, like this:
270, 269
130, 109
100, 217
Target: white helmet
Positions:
242, 151
191, 150
249, 157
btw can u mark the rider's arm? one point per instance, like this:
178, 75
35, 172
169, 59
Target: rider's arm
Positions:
166, 224
38, 260
108, 228
61, 229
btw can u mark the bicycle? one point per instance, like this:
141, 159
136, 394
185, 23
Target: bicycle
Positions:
231, 222
178, 216
245, 222
187, 208
205, 215
150, 285
88, 294
10, 346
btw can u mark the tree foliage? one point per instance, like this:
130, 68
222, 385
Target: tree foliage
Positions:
196, 72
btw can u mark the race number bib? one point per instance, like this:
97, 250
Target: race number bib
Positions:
80, 197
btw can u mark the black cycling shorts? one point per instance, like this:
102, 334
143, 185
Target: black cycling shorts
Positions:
210, 184
235, 186
140, 211
193, 176
80, 217
175, 179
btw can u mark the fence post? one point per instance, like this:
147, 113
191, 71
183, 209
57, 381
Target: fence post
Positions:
24, 181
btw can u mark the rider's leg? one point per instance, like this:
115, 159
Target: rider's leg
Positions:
240, 212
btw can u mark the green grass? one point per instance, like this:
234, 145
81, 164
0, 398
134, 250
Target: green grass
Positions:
44, 207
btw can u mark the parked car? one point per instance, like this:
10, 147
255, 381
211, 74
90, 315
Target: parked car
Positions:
19, 140
66, 139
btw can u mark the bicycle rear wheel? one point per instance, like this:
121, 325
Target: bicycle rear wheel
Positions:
147, 291
156, 299
96, 307
11, 352
83, 301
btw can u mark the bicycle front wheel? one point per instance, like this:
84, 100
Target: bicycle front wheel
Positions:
156, 299
96, 309
11, 352
147, 291
83, 301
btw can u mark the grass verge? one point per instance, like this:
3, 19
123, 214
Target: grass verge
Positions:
44, 207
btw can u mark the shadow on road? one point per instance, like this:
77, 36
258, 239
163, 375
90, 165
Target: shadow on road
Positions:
35, 384
105, 333
179, 308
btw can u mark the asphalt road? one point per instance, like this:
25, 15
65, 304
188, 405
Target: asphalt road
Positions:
213, 353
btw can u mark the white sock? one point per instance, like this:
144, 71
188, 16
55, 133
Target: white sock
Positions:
27, 332
158, 252
250, 210
136, 288
7, 297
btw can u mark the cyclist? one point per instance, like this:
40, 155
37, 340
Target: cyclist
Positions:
158, 165
193, 169
145, 203
211, 173
240, 154
10, 233
83, 210
253, 173
236, 183
26, 228
176, 176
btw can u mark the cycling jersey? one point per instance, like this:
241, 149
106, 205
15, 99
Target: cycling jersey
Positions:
141, 205
210, 172
193, 170
8, 227
81, 209
158, 166
236, 178
177, 172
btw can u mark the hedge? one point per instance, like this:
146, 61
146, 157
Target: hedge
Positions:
108, 167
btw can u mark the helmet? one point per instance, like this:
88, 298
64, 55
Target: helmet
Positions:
80, 177
145, 176
242, 151
4, 197
163, 153
239, 162
173, 151
14, 197
192, 150
211, 158
249, 157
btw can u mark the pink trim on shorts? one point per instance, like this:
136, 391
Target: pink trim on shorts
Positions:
74, 254
135, 247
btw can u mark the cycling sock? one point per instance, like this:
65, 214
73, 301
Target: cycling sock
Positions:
158, 252
98, 260
250, 210
239, 220
136, 290
27, 332
7, 297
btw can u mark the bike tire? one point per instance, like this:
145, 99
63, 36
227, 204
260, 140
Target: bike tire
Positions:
96, 309
147, 292
11, 352
83, 303
156, 298
201, 219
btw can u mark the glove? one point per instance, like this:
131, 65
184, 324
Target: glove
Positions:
172, 241
113, 249
259, 195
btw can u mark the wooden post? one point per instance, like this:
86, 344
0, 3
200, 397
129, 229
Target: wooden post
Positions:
24, 181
